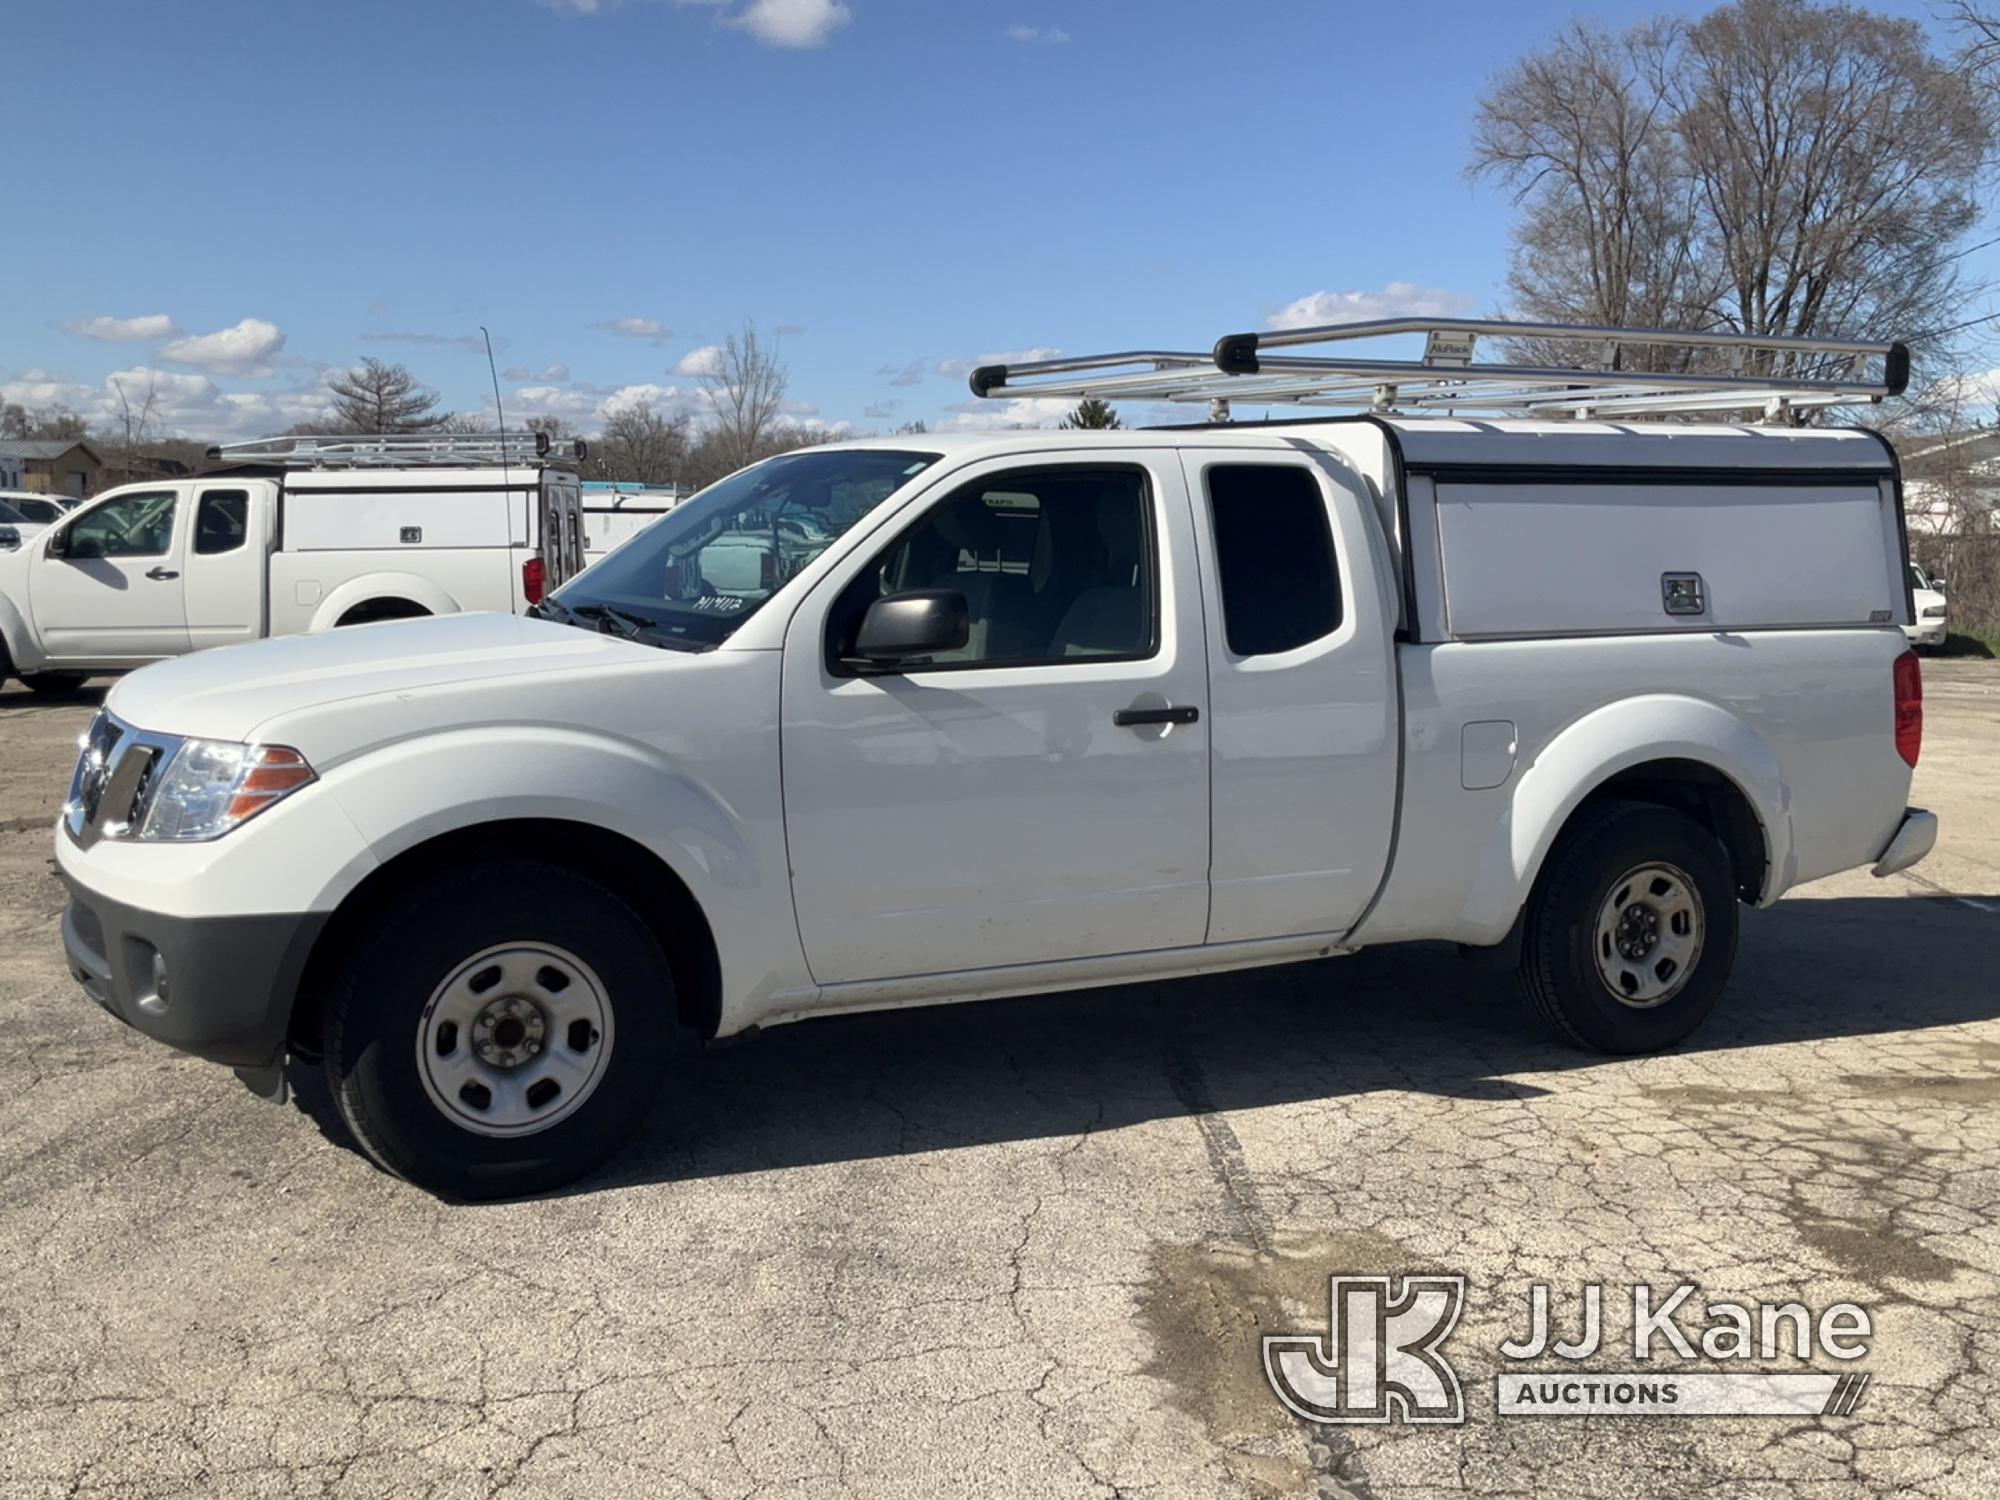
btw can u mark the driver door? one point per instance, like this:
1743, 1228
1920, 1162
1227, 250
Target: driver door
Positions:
1023, 799
106, 585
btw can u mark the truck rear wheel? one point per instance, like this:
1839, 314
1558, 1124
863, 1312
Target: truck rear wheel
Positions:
502, 1032
1630, 936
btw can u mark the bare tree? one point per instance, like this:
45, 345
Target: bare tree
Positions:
379, 397
746, 389
641, 445
1776, 167
1583, 133
55, 422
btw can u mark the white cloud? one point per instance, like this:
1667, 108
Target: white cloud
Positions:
650, 329
791, 23
470, 341
1048, 36
245, 349
1001, 416
958, 369
697, 363
38, 388
1399, 299
881, 411
553, 374
904, 375
140, 330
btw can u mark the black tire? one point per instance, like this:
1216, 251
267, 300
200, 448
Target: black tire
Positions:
55, 684
377, 1012
1559, 969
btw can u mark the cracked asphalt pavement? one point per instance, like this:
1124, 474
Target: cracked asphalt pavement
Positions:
1027, 1248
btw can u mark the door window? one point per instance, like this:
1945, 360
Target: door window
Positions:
221, 521
130, 526
1273, 557
1056, 564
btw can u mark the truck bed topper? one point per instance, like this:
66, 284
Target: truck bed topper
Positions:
1628, 372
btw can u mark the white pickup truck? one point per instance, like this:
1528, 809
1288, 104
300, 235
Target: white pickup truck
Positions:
289, 534
1027, 711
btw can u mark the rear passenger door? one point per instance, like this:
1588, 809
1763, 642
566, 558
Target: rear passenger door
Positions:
1000, 804
1302, 690
228, 562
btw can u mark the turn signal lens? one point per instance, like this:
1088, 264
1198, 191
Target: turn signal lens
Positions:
270, 771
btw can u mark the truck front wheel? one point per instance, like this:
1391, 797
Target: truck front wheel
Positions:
1631, 933
502, 1032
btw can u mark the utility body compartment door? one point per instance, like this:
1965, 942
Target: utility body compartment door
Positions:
987, 807
1303, 706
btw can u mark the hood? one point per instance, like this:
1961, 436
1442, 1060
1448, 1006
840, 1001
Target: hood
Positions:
224, 694
1925, 598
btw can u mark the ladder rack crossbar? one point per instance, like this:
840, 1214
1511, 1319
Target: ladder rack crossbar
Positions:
1706, 371
403, 450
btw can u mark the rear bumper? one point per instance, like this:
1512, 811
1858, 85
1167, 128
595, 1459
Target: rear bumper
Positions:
219, 987
1914, 839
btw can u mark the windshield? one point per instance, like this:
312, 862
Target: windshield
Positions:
10, 516
696, 574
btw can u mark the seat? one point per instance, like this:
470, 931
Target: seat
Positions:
1108, 618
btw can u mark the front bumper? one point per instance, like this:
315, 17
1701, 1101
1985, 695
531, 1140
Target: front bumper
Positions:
1914, 839
1927, 632
219, 987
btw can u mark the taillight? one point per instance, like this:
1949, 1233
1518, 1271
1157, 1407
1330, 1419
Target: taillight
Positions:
534, 579
1909, 707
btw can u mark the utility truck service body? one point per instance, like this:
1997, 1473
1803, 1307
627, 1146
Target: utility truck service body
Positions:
1025, 711
292, 535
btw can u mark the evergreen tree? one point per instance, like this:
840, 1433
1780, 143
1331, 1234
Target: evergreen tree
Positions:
1092, 415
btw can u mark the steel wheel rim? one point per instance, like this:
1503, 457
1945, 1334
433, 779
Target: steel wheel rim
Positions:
1649, 933
515, 1040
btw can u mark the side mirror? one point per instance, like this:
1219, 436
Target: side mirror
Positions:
58, 543
918, 622
10, 538
1937, 583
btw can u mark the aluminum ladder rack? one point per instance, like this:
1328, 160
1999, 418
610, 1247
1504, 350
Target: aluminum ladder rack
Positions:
1677, 372
399, 450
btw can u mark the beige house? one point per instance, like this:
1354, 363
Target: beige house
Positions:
50, 466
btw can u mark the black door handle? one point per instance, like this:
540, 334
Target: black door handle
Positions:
1130, 718
161, 573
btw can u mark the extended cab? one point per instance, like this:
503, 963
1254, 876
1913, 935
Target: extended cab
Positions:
289, 535
939, 718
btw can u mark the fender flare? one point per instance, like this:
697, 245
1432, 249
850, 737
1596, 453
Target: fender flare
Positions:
401, 795
17, 638
387, 585
1602, 744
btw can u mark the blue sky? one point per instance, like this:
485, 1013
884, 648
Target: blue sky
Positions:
239, 196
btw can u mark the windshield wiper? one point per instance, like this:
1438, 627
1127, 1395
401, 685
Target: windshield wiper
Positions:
614, 621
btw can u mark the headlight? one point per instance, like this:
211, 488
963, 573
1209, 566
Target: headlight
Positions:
1934, 611
207, 787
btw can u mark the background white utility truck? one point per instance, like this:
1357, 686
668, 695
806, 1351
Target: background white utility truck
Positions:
289, 535
938, 718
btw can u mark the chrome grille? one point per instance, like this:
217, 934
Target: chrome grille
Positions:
113, 773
